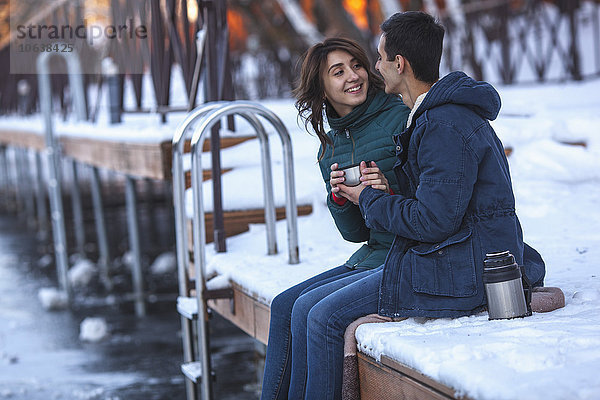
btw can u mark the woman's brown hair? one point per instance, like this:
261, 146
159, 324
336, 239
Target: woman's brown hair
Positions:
310, 91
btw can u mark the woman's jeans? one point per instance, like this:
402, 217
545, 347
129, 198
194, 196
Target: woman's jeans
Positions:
305, 352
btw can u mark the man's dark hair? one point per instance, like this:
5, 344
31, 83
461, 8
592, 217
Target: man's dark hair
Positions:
417, 37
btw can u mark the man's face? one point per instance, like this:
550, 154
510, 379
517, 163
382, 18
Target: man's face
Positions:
387, 69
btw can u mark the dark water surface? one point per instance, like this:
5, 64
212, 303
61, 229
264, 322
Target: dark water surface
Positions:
42, 357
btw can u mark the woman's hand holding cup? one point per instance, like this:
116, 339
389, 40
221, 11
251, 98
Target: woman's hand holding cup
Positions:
336, 177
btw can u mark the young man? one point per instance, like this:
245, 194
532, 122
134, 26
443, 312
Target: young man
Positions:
456, 203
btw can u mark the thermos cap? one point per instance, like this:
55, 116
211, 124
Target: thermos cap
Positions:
500, 267
498, 259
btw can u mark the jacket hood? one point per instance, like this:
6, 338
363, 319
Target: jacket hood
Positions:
377, 102
458, 88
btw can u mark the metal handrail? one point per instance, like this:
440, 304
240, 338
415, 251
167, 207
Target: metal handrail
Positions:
183, 259
53, 151
208, 115
179, 204
244, 109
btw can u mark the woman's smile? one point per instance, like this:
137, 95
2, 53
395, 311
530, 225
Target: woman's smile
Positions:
354, 89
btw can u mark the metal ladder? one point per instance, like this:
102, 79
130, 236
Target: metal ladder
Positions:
193, 310
53, 152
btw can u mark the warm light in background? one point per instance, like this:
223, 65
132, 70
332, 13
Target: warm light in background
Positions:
237, 30
358, 10
192, 11
307, 7
97, 12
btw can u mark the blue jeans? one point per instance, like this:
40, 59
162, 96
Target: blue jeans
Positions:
306, 337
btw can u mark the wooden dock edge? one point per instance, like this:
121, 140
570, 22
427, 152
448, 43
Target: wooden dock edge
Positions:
246, 312
139, 159
390, 379
387, 379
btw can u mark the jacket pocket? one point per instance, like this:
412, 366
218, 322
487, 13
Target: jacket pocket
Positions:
446, 268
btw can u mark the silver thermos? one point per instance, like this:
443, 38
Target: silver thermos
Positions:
504, 287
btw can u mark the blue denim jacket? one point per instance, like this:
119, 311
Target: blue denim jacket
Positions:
456, 204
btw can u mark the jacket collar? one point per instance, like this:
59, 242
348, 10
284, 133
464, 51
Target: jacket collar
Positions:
458, 88
418, 102
376, 102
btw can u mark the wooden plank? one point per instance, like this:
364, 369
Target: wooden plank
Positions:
226, 141
580, 143
19, 138
146, 160
243, 313
378, 381
403, 369
250, 315
262, 319
389, 379
206, 175
238, 221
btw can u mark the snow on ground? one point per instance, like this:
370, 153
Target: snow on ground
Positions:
557, 188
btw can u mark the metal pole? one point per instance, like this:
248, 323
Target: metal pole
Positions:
212, 94
77, 210
245, 108
42, 209
575, 64
4, 182
199, 235
181, 240
596, 27
247, 111
181, 237
267, 175
103, 251
152, 223
18, 181
26, 182
134, 243
12, 179
52, 151
13, 176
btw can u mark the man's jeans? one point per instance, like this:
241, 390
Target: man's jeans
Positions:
306, 336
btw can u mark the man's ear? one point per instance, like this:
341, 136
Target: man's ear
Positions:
400, 61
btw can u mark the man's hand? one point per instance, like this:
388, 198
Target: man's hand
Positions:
369, 176
372, 176
352, 193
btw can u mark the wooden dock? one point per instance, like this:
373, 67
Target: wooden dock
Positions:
387, 379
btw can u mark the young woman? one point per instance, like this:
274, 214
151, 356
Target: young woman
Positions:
335, 80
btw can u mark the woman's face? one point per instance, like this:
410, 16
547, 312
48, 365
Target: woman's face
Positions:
345, 80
